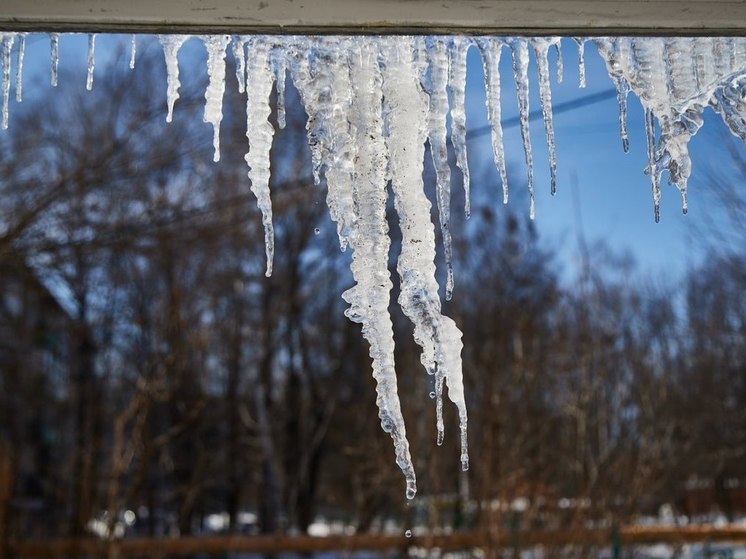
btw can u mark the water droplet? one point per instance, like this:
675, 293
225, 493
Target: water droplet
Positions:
432, 395
316, 231
408, 534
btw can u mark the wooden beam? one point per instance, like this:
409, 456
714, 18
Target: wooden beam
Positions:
504, 17
219, 545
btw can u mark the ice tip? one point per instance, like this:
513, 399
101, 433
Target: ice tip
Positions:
464, 463
411, 489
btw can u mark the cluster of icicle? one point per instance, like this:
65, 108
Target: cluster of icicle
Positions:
373, 104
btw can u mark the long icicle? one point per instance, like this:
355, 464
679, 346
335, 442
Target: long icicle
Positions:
405, 115
437, 53
133, 51
19, 66
54, 57
259, 133
6, 44
457, 85
520, 72
490, 50
541, 50
91, 60
215, 45
369, 298
239, 57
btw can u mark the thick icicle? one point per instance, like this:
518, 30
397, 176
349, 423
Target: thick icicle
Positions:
457, 85
519, 49
581, 61
171, 45
490, 50
259, 133
19, 66
215, 45
239, 57
54, 47
323, 80
405, 114
133, 51
541, 50
369, 298
279, 66
437, 136
91, 60
6, 44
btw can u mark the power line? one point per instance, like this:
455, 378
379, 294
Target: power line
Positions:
557, 109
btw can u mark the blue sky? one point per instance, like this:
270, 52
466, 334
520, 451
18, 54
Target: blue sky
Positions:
596, 179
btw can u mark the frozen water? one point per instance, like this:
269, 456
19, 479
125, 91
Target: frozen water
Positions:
374, 103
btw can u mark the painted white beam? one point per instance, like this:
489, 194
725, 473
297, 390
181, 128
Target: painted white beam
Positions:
527, 17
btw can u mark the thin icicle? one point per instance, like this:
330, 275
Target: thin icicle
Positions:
6, 44
581, 60
654, 175
54, 47
520, 72
259, 133
239, 56
560, 67
437, 53
91, 60
171, 45
133, 51
541, 50
215, 45
405, 114
19, 66
369, 298
609, 49
457, 85
490, 50
279, 66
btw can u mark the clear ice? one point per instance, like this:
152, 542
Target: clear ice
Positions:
374, 103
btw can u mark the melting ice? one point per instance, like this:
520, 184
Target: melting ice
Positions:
373, 105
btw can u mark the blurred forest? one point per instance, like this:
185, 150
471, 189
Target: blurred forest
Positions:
153, 381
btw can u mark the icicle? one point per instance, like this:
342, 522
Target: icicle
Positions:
581, 61
369, 298
171, 45
558, 47
6, 40
405, 115
608, 48
320, 72
520, 72
437, 53
54, 40
133, 51
457, 85
259, 133
279, 66
490, 50
541, 50
239, 56
91, 61
215, 45
19, 67
654, 175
